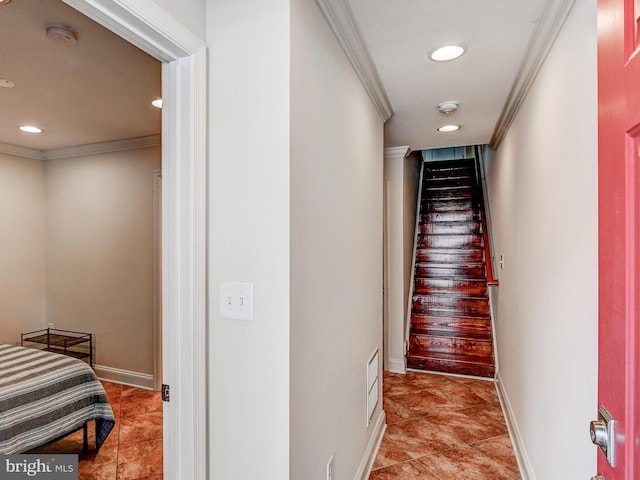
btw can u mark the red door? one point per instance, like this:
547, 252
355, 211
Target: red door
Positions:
619, 224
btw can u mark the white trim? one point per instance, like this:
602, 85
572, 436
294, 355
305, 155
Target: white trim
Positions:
547, 30
102, 147
397, 152
82, 150
144, 24
17, 151
397, 365
184, 220
157, 280
492, 292
125, 377
416, 232
364, 470
524, 465
343, 23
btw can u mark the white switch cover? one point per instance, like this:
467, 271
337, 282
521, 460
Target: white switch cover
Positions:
236, 300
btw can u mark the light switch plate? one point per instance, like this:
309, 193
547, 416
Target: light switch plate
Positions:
236, 300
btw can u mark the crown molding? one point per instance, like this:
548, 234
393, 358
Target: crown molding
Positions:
82, 150
103, 147
140, 23
543, 38
17, 151
397, 152
343, 23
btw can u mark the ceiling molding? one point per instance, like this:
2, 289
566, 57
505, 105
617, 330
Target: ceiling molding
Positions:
547, 30
17, 151
144, 24
397, 152
103, 147
82, 150
342, 21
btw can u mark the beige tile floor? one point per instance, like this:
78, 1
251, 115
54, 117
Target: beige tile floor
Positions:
443, 428
133, 450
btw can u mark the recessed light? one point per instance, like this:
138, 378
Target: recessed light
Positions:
449, 128
4, 2
157, 103
30, 129
447, 52
6, 83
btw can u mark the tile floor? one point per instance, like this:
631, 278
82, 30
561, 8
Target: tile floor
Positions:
443, 428
133, 449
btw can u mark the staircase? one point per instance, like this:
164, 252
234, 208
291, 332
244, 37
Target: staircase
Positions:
450, 320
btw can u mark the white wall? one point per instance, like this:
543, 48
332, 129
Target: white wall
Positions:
249, 212
99, 256
543, 195
190, 13
336, 251
401, 177
22, 247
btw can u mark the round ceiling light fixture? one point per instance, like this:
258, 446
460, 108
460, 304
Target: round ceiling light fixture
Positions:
6, 83
448, 107
157, 103
30, 129
449, 128
62, 35
4, 2
447, 52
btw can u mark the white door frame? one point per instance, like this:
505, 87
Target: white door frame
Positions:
184, 227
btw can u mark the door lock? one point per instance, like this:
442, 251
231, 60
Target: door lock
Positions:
603, 435
597, 477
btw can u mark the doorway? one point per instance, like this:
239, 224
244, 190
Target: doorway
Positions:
183, 219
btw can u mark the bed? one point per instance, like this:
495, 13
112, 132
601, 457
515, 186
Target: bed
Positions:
45, 396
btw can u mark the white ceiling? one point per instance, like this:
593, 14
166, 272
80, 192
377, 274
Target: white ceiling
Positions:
99, 90
400, 33
95, 91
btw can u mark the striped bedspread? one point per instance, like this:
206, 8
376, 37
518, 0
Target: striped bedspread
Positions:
44, 396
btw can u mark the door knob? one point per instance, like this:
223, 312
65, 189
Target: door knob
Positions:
599, 433
597, 477
603, 435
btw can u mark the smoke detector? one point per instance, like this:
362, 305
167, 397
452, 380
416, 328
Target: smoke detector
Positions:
448, 107
62, 35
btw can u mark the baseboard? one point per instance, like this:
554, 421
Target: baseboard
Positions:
364, 470
125, 377
526, 471
396, 365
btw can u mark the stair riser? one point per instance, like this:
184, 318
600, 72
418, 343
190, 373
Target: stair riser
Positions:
454, 228
449, 181
449, 193
450, 241
450, 305
450, 346
449, 366
450, 216
470, 288
454, 329
449, 205
465, 271
453, 256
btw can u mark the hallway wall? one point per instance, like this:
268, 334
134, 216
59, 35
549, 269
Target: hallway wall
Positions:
542, 185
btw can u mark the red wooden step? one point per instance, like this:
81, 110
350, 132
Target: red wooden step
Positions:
450, 270
452, 228
450, 241
461, 347
452, 364
431, 205
448, 181
440, 286
463, 191
450, 255
450, 305
450, 216
461, 326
